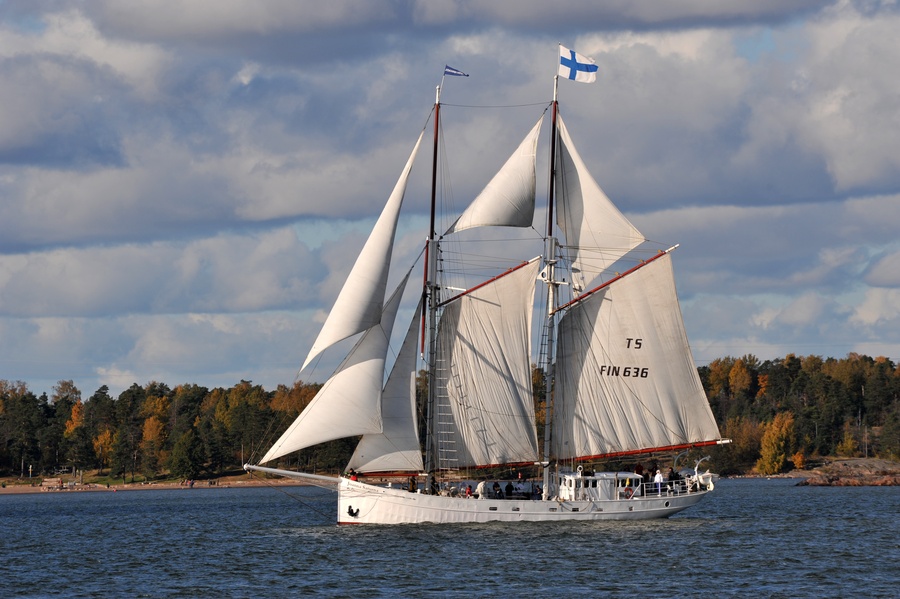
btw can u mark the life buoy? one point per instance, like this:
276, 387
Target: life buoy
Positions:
627, 492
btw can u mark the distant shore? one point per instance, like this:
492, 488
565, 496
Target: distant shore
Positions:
833, 472
843, 472
17, 487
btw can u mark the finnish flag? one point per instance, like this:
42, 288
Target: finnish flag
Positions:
576, 67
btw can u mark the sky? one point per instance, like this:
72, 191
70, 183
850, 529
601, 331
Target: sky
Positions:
183, 185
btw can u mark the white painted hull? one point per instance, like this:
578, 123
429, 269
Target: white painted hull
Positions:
361, 503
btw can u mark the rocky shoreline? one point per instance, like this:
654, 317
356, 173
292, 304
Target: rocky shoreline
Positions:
852, 472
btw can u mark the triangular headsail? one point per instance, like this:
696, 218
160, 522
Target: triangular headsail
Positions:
597, 233
359, 303
396, 448
349, 403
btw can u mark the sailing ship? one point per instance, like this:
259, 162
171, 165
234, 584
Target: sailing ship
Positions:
615, 374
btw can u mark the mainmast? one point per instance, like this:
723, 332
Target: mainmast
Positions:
550, 247
430, 292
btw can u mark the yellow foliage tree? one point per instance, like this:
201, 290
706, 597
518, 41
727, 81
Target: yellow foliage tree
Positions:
719, 370
154, 431
292, 400
76, 419
103, 447
849, 446
739, 378
777, 444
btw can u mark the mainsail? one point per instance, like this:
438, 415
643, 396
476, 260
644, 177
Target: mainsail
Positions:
484, 409
625, 378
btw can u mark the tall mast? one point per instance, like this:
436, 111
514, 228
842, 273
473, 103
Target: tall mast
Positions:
550, 257
430, 292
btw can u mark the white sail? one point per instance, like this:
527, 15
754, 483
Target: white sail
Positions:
396, 448
625, 378
349, 403
360, 301
597, 233
484, 409
508, 200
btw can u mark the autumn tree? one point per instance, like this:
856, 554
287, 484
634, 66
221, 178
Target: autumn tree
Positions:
154, 432
79, 448
777, 444
849, 445
103, 448
100, 425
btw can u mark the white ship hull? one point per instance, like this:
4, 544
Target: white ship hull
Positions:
362, 503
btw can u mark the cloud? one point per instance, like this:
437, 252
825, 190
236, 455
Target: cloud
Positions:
880, 307
848, 106
885, 271
225, 273
183, 186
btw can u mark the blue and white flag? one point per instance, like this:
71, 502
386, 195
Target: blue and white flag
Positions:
576, 67
455, 72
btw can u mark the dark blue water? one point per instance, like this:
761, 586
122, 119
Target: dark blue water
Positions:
751, 537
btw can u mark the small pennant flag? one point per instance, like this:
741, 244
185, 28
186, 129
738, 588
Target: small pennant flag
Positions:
576, 67
455, 72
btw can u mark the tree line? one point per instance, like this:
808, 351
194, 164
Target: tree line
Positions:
779, 413
782, 413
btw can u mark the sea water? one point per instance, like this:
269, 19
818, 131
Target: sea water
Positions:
760, 538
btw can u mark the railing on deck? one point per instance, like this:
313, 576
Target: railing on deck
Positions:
651, 489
